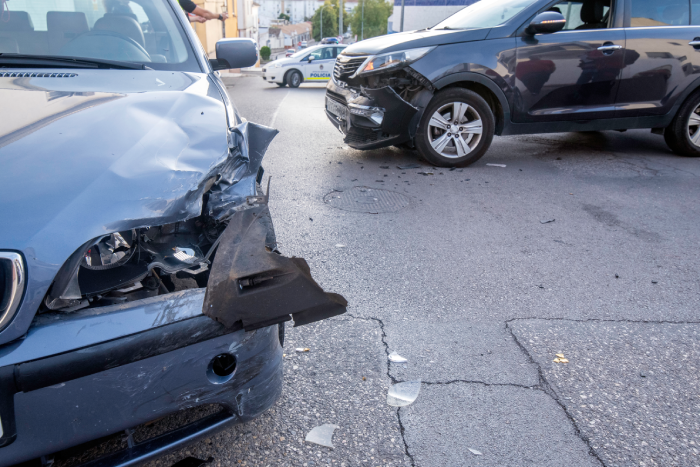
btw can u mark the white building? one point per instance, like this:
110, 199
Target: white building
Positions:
248, 18
279, 36
420, 14
298, 10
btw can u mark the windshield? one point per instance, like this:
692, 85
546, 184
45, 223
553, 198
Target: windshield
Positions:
305, 51
484, 14
142, 31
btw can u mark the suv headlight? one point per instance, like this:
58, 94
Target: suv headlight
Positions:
381, 62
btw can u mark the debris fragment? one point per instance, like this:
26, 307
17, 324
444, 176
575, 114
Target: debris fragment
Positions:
403, 394
475, 452
364, 379
311, 219
425, 173
617, 276
496, 165
654, 282
547, 221
560, 358
383, 166
396, 358
408, 166
560, 355
339, 245
302, 349
322, 435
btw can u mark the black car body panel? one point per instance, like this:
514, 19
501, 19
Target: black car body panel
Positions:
546, 82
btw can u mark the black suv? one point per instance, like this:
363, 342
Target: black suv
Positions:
510, 67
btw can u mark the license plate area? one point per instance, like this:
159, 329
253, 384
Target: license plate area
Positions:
337, 109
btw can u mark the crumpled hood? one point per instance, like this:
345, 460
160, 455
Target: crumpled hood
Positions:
413, 39
103, 151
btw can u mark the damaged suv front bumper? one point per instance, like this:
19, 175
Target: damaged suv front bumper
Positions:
370, 118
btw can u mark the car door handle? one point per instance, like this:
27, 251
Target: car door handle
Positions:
695, 42
609, 48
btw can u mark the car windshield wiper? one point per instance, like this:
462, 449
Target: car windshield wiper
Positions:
62, 62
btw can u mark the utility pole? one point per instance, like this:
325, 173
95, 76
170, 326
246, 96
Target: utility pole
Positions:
362, 26
322, 22
340, 20
402, 8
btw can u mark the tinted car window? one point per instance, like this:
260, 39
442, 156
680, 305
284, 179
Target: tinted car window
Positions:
572, 13
645, 13
140, 31
484, 14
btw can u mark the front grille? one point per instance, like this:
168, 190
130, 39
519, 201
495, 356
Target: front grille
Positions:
346, 65
365, 137
22, 74
11, 285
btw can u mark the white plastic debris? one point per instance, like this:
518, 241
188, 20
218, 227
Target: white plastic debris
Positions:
302, 349
496, 165
475, 452
322, 435
403, 394
396, 358
340, 245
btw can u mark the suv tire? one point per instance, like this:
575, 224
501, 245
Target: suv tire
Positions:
293, 79
683, 134
446, 142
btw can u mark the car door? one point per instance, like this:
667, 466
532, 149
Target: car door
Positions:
572, 74
321, 67
662, 56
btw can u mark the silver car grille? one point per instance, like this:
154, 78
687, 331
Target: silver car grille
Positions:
12, 282
347, 65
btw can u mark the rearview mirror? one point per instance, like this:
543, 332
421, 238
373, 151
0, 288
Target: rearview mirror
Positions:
546, 22
239, 52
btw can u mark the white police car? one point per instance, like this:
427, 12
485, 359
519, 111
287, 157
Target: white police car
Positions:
314, 64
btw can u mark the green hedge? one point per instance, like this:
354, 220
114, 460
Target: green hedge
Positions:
265, 52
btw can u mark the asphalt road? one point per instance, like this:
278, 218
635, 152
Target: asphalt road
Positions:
479, 295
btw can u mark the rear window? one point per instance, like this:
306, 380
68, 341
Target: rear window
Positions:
141, 31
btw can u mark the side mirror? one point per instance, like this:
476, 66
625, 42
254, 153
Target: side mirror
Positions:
311, 58
239, 52
546, 22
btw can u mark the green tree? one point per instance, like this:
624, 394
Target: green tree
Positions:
265, 52
375, 18
330, 20
284, 17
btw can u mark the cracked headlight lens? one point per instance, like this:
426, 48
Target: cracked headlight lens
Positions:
376, 114
394, 59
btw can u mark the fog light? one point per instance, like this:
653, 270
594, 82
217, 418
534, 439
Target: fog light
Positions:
221, 368
376, 114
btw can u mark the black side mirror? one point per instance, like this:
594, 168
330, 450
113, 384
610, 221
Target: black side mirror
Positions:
546, 22
239, 52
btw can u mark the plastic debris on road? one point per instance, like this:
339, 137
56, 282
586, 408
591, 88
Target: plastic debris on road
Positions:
475, 452
547, 221
302, 349
340, 245
403, 394
322, 435
496, 165
426, 173
396, 358
409, 166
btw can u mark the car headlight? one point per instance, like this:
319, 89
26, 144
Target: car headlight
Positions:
394, 59
276, 65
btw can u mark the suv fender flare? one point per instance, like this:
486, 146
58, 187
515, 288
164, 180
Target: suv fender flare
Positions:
502, 120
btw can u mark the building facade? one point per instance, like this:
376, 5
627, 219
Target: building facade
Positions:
420, 14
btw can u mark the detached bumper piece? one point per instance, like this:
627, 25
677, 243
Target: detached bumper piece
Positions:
252, 286
376, 118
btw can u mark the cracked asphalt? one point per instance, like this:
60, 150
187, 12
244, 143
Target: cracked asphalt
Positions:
479, 295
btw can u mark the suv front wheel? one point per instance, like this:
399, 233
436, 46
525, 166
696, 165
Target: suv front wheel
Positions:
683, 134
456, 128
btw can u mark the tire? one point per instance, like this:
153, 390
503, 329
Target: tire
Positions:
433, 129
683, 134
294, 79
281, 84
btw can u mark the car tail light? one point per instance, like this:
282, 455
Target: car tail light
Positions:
12, 280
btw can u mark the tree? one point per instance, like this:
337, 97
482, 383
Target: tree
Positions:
265, 52
330, 20
376, 16
284, 17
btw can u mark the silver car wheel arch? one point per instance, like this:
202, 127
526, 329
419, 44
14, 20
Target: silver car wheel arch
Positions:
694, 127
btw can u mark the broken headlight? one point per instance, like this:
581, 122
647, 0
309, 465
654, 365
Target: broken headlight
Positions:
376, 114
393, 59
134, 264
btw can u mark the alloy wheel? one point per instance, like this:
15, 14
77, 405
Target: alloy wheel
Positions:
455, 129
694, 126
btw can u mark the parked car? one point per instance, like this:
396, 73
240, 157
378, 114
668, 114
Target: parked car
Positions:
311, 65
304, 44
289, 52
139, 274
330, 40
506, 67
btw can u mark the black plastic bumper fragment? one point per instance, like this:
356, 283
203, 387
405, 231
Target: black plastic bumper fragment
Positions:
252, 286
398, 113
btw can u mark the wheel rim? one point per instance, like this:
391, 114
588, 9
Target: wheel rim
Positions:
295, 79
455, 129
694, 126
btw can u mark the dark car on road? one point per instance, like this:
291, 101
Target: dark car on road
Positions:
508, 67
142, 294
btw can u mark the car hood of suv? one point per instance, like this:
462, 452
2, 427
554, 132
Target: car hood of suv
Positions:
413, 39
101, 151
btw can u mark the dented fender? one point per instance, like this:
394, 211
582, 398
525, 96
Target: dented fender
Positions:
252, 285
